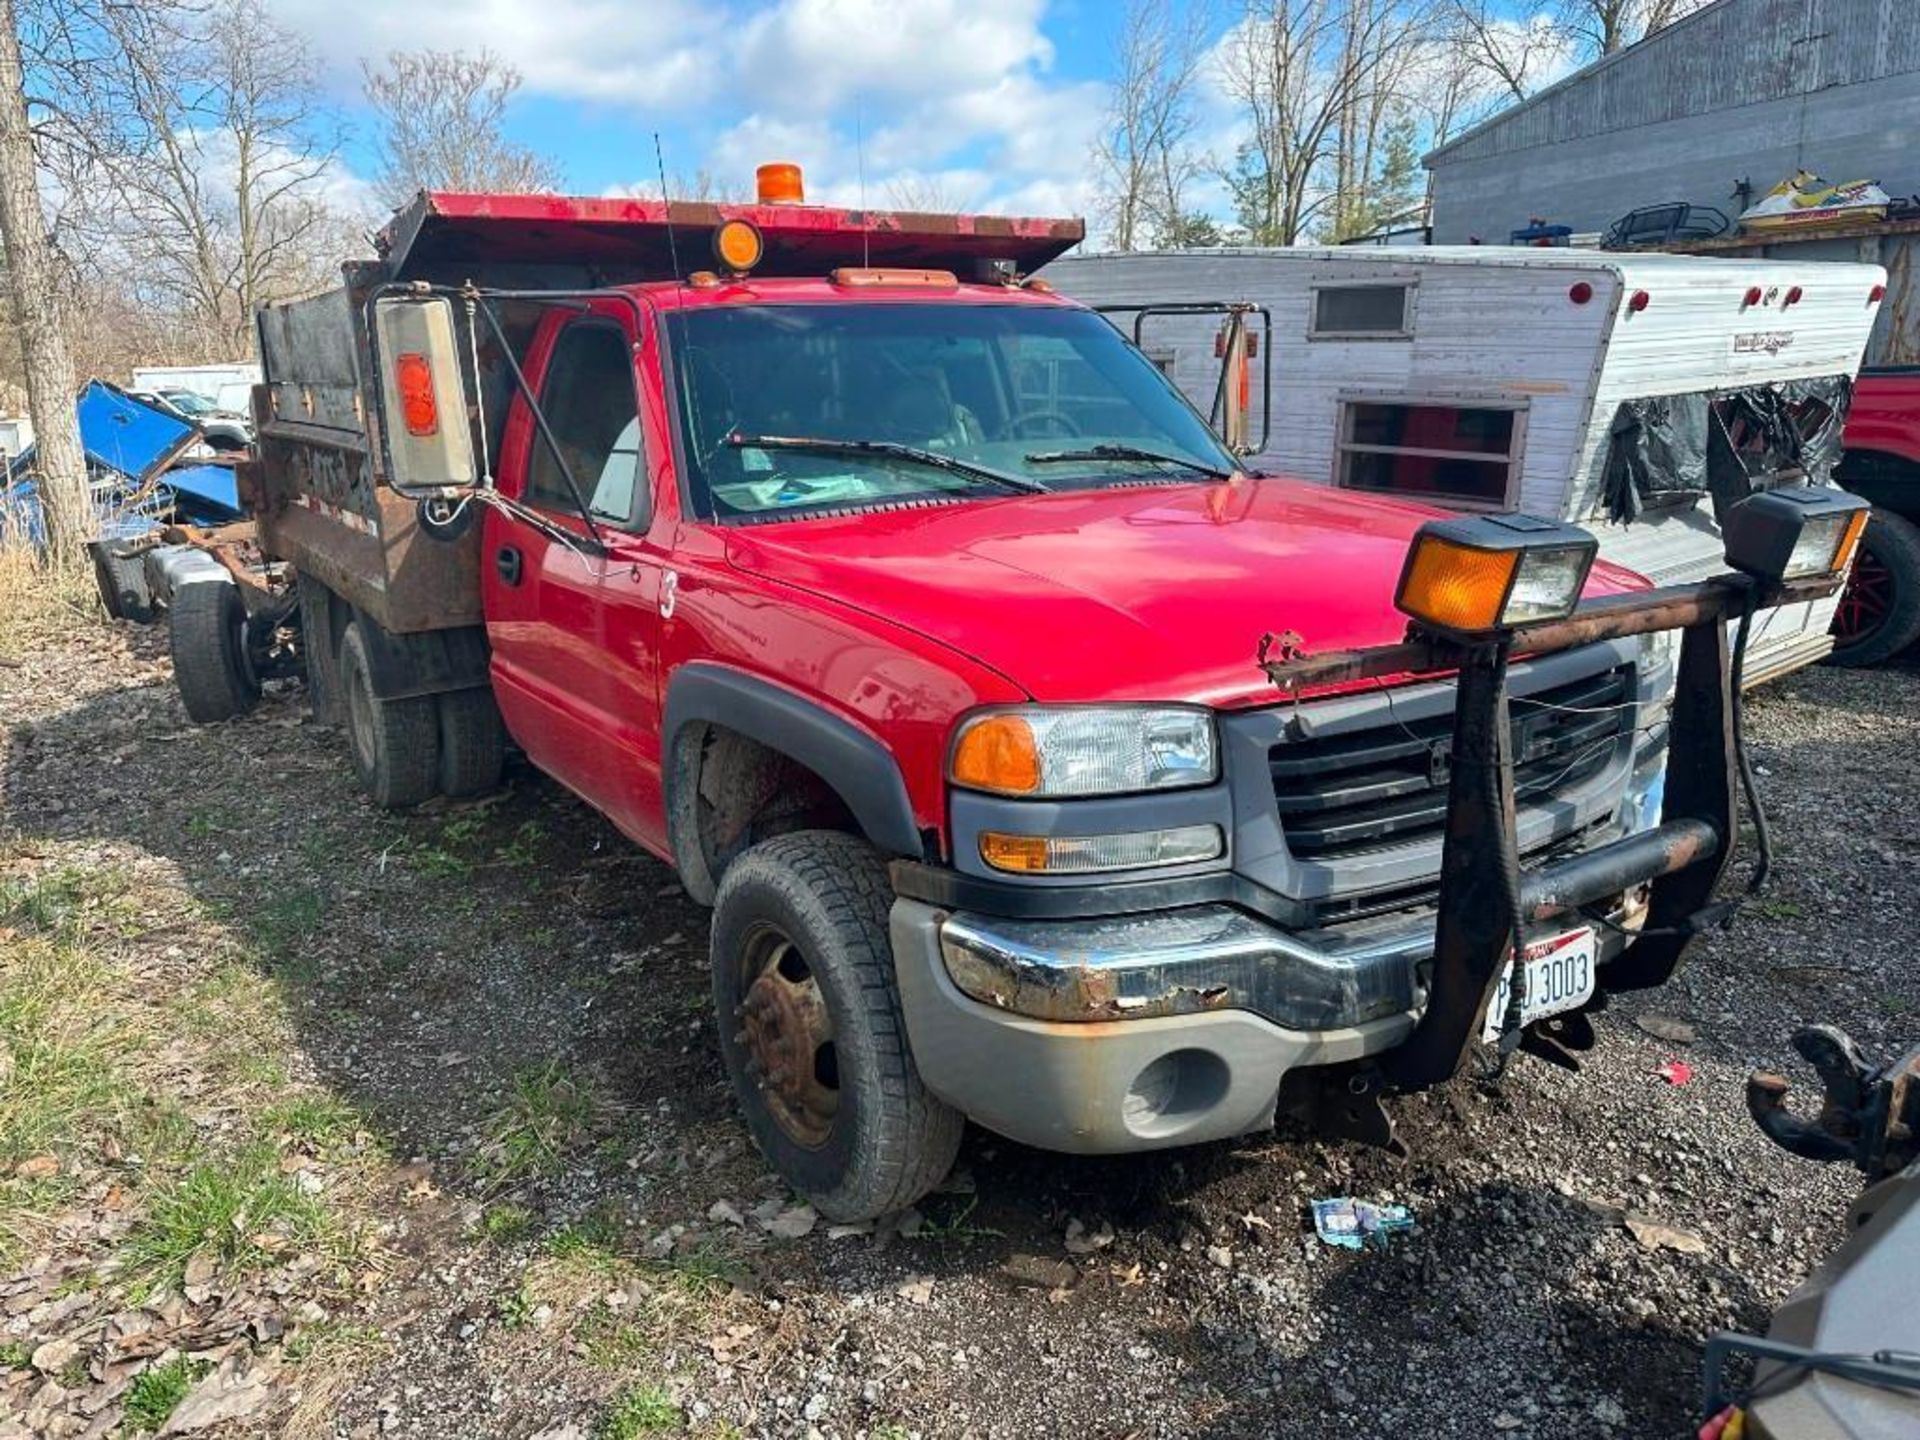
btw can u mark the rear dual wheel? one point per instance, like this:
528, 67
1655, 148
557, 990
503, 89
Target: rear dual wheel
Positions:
408, 748
811, 1031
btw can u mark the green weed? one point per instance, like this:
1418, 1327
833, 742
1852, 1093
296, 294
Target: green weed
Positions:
240, 1211
639, 1410
504, 1222
546, 1115
156, 1392
15, 1355
315, 1118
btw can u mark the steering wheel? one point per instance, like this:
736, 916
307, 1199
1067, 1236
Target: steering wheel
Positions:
1062, 423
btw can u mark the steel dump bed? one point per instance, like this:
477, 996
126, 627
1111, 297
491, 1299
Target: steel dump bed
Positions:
316, 484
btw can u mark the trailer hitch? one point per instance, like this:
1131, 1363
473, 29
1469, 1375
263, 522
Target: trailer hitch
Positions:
1869, 1115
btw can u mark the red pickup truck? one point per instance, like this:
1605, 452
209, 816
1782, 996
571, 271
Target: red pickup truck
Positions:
915, 618
1879, 613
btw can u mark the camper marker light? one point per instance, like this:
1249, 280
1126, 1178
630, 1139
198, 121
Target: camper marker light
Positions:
1794, 533
417, 406
1475, 575
1876, 294
737, 246
1639, 301
1753, 297
1792, 297
1580, 292
1056, 752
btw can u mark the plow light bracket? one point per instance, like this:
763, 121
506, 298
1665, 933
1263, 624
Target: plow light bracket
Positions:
1797, 533
1480, 575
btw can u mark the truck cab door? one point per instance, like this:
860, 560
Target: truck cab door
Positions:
573, 617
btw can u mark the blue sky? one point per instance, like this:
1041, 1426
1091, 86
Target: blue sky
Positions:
989, 103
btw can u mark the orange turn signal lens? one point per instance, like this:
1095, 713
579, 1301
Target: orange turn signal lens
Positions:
1022, 854
737, 246
417, 405
1456, 587
997, 752
780, 183
1850, 541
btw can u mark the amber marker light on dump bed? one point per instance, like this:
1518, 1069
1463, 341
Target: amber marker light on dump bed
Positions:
1475, 575
737, 246
417, 405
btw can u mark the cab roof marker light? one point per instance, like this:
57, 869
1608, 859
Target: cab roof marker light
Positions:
871, 277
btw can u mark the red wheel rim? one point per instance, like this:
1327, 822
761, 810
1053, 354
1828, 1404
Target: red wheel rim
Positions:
1865, 602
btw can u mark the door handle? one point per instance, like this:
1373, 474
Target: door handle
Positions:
506, 563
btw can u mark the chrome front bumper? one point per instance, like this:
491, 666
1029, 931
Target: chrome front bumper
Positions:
1181, 962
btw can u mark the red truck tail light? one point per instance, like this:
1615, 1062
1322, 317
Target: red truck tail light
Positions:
417, 405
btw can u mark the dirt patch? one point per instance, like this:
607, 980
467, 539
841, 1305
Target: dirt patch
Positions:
544, 1219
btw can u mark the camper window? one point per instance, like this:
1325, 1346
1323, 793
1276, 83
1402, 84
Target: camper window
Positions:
1373, 311
1442, 452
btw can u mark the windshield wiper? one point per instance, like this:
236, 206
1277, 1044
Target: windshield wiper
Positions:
893, 450
1128, 452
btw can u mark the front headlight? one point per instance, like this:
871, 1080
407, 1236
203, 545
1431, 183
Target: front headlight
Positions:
1042, 753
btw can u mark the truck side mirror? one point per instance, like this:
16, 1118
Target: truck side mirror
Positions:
427, 438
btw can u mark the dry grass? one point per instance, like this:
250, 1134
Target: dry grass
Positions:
42, 602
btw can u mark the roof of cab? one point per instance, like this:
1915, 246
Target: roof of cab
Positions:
636, 240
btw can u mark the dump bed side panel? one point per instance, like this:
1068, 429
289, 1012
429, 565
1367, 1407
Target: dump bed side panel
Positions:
315, 484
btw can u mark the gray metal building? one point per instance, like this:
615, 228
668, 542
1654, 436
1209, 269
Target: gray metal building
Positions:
1742, 90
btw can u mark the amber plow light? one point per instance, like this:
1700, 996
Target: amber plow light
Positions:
1480, 575
417, 405
737, 246
779, 183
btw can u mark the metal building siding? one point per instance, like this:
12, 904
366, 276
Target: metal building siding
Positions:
1746, 89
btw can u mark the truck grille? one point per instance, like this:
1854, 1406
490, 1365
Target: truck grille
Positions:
1387, 785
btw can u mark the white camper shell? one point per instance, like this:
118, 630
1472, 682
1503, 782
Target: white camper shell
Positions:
1483, 378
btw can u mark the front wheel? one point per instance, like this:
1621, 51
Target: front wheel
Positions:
811, 1031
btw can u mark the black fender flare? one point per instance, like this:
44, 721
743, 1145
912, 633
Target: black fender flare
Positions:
857, 766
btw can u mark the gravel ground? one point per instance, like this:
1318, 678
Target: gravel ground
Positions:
439, 959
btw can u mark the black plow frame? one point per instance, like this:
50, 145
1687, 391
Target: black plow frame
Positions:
1488, 903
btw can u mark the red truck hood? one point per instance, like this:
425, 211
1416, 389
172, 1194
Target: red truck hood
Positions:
1147, 593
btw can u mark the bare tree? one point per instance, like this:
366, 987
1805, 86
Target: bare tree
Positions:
31, 275
1145, 151
207, 155
1600, 27
1316, 81
921, 194
1509, 54
442, 115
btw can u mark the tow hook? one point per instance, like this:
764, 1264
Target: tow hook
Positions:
1869, 1115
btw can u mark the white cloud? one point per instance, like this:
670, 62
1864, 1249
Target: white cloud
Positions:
651, 53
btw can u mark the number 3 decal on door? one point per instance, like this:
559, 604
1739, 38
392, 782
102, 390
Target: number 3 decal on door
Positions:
669, 592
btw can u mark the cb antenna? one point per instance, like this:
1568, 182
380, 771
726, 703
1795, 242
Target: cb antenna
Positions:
860, 159
666, 203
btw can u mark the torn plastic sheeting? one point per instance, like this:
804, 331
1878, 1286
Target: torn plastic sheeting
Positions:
1657, 454
1668, 450
1353, 1224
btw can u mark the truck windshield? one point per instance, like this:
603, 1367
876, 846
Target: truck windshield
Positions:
1048, 396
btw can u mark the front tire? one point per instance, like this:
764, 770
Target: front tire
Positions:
811, 1031
1879, 614
395, 742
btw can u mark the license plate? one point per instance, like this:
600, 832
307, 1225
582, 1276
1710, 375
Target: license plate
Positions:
1559, 977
